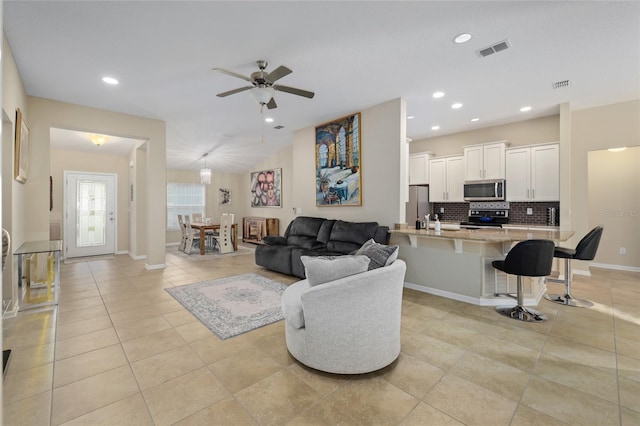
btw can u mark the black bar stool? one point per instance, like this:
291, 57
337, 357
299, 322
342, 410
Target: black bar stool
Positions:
585, 250
530, 258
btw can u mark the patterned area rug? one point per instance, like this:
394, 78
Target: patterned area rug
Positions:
233, 305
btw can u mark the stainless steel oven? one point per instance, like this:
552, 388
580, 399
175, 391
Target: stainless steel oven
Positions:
485, 190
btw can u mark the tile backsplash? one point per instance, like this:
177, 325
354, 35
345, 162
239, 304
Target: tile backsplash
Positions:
457, 212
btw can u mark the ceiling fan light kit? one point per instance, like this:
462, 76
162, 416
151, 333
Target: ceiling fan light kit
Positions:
262, 95
263, 87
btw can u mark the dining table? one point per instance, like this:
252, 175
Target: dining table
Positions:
213, 226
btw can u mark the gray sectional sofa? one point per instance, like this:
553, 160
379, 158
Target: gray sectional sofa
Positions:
314, 236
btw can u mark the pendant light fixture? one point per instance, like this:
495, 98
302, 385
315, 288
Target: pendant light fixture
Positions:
205, 173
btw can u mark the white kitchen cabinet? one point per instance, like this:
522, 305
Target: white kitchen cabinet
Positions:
533, 173
419, 168
446, 179
485, 161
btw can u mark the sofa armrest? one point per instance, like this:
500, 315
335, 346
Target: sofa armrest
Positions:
274, 240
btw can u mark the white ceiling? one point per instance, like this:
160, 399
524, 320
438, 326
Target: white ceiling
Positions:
353, 55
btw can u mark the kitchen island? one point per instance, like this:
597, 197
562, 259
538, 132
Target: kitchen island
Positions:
456, 263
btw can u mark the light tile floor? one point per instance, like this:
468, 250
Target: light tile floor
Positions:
120, 351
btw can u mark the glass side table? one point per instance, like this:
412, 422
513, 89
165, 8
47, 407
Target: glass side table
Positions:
35, 291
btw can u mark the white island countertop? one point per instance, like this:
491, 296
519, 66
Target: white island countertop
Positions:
498, 235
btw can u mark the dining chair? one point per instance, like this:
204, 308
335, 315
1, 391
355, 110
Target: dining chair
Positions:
232, 216
224, 239
192, 236
183, 233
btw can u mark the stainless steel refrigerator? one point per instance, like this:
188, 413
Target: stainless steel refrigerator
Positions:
418, 204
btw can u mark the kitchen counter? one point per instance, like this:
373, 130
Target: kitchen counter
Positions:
497, 235
456, 263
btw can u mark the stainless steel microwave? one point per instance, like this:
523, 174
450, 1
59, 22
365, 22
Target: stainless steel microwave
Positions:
485, 190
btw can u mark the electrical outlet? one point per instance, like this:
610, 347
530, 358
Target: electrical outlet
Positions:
441, 209
529, 211
623, 250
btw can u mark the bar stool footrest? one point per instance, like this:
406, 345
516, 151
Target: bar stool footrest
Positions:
567, 300
521, 313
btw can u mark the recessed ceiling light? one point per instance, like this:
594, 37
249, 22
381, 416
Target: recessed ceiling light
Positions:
475, 119
438, 95
435, 127
268, 120
462, 38
411, 117
525, 109
457, 105
617, 149
110, 80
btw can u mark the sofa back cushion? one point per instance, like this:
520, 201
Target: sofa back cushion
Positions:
325, 231
303, 231
349, 236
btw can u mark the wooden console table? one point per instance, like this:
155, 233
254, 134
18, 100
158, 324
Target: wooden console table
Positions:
254, 229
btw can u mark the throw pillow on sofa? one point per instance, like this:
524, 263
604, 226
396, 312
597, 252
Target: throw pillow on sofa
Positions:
379, 254
322, 269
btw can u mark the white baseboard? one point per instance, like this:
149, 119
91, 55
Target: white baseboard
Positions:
586, 273
171, 244
152, 267
11, 313
136, 257
616, 267
480, 301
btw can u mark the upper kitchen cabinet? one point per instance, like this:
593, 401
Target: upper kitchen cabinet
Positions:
419, 168
533, 173
446, 179
485, 161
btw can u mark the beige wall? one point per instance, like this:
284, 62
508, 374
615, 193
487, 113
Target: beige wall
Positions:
46, 114
614, 202
528, 132
596, 129
14, 194
383, 169
284, 160
78, 161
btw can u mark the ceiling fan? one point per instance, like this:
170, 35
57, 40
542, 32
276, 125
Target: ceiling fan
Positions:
262, 84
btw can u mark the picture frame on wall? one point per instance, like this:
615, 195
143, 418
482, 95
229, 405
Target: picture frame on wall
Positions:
338, 165
21, 160
224, 196
266, 188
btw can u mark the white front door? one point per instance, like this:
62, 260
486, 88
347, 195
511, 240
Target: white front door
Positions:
90, 214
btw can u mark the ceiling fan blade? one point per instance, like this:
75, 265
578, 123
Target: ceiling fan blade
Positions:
234, 91
232, 74
278, 73
294, 91
272, 104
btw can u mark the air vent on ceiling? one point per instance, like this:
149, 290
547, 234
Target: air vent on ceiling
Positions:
278, 127
498, 47
560, 84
